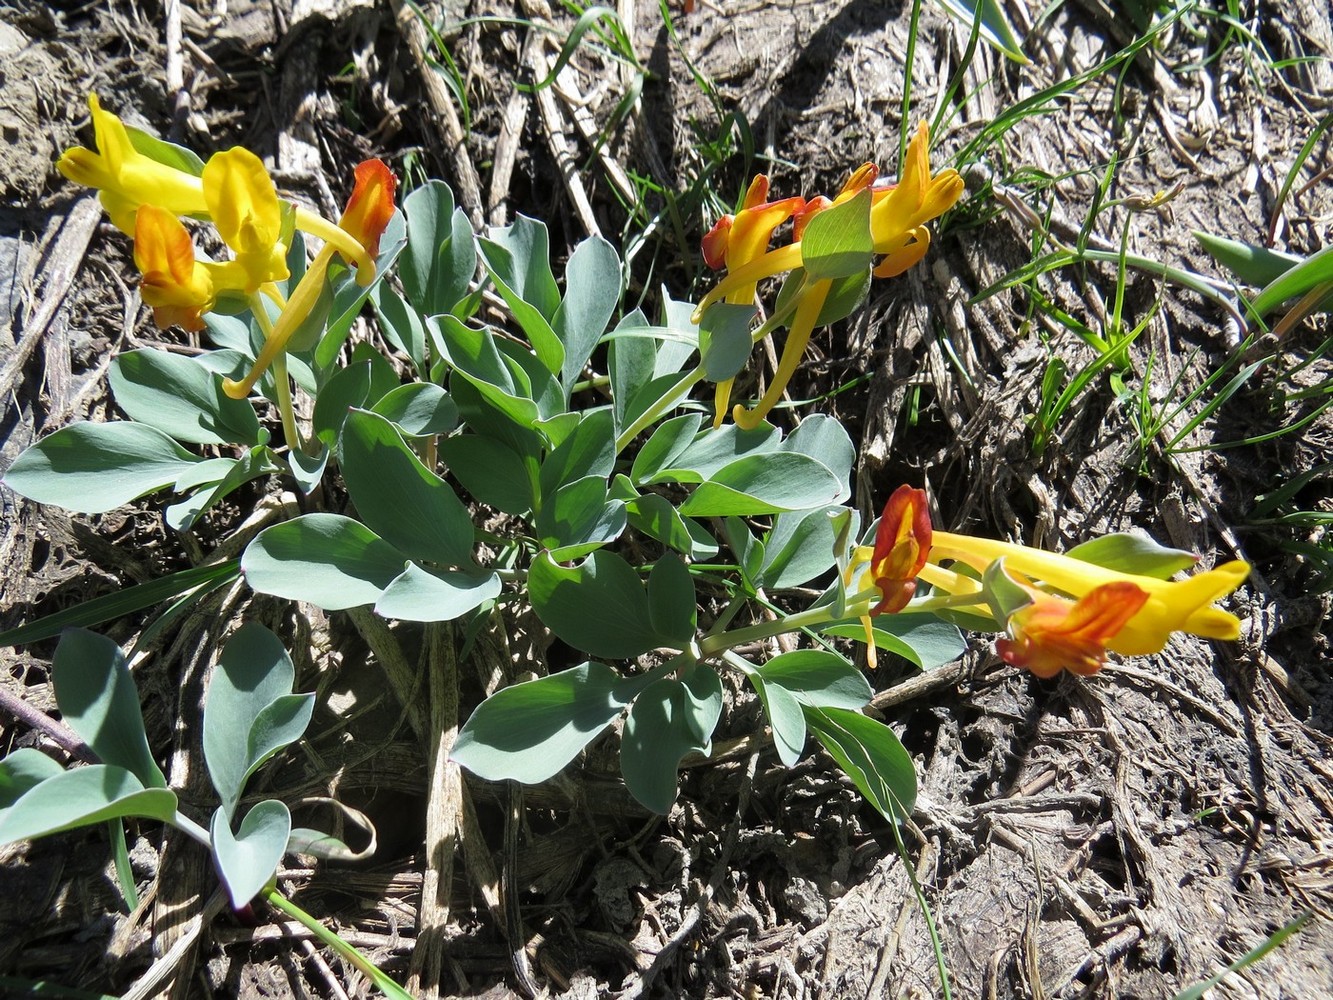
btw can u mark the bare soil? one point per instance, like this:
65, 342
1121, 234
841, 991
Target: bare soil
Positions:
1126, 835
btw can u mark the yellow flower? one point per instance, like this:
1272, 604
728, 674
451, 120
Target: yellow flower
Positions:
245, 209
1171, 606
178, 287
734, 241
1054, 633
899, 213
898, 217
356, 237
127, 178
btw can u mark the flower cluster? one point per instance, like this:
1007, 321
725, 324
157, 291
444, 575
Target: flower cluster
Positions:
898, 214
1059, 612
147, 197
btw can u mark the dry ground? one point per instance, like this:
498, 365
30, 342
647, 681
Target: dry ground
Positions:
1123, 836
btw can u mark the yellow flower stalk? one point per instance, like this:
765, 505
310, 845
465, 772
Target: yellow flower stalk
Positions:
126, 178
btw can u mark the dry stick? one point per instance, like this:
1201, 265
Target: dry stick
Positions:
151, 981
511, 133
176, 69
442, 105
59, 267
555, 129
443, 811
59, 733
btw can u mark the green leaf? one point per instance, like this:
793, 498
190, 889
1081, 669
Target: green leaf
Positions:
667, 443
349, 295
21, 772
328, 560
419, 409
345, 389
580, 518
1252, 263
995, 29
440, 257
122, 602
837, 242
99, 701
477, 359
916, 636
590, 450
1313, 271
824, 439
724, 339
430, 595
491, 471
711, 451
819, 678
401, 324
658, 518
83, 796
184, 514
1002, 592
672, 605
1131, 552
181, 398
799, 548
92, 468
871, 755
527, 732
631, 363
764, 484
166, 153
592, 292
250, 712
598, 606
785, 717
398, 497
668, 720
749, 551
518, 260
247, 860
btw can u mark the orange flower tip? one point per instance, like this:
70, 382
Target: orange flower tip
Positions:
802, 219
715, 242
862, 177
1054, 633
757, 193
370, 207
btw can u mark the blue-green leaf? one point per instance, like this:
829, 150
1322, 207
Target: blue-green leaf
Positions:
871, 755
592, 292
598, 606
995, 29
837, 242
92, 468
440, 257
419, 409
83, 796
99, 701
398, 497
436, 595
250, 712
724, 339
21, 772
668, 720
181, 398
764, 484
916, 636
1132, 552
672, 605
249, 858
527, 732
819, 678
329, 560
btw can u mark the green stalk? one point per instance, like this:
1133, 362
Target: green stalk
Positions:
385, 985
711, 645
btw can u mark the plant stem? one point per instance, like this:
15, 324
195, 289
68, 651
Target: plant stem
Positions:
665, 402
386, 985
284, 388
192, 829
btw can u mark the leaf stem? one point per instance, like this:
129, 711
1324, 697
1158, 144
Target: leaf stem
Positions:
386, 985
